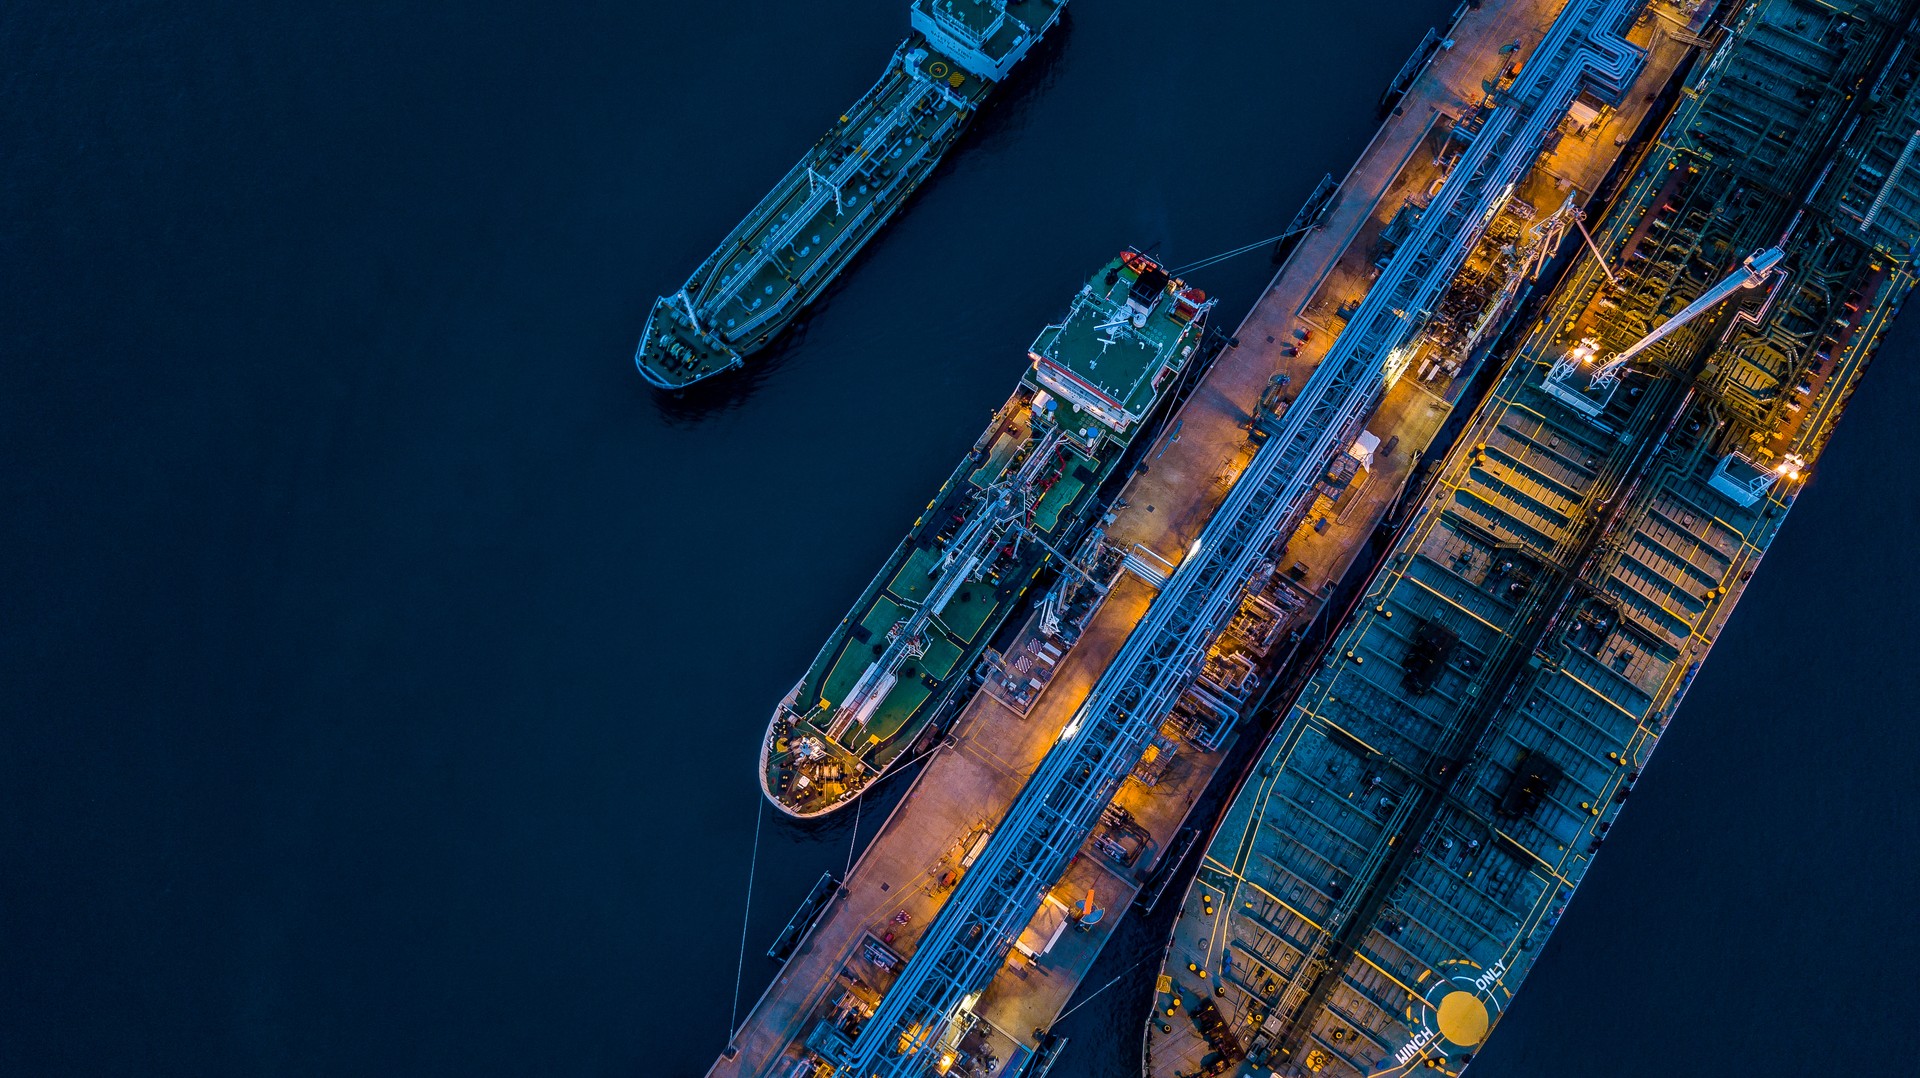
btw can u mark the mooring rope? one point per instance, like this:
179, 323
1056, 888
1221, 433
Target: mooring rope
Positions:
1102, 988
753, 862
746, 916
853, 841
1235, 253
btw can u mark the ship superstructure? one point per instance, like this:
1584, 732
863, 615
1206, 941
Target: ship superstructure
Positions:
1400, 851
1022, 499
835, 199
932, 1002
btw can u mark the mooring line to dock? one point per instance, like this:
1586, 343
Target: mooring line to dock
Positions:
897, 769
1235, 253
853, 841
1102, 988
746, 916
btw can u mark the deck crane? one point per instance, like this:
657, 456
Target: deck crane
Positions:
1751, 273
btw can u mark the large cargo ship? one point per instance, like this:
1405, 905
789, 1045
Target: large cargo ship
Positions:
1397, 856
836, 198
1025, 496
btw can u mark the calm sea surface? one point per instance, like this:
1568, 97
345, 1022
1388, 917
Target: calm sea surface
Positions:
384, 664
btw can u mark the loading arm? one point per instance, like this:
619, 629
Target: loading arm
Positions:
1751, 273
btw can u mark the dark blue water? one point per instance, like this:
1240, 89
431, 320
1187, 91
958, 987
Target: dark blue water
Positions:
384, 664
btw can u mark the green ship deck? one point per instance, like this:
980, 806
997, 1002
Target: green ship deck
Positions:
1418, 822
809, 227
1024, 496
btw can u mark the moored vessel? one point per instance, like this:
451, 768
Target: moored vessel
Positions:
1406, 842
1022, 500
806, 230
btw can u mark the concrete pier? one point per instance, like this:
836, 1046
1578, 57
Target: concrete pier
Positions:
910, 865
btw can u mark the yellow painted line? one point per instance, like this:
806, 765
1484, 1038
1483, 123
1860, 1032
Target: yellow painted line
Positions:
1450, 601
1357, 739
1570, 676
1277, 900
1522, 847
1388, 974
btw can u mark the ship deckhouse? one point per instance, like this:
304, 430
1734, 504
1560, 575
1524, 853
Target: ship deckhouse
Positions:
1127, 331
986, 37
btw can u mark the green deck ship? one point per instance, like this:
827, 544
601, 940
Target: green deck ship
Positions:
817, 218
1024, 497
1401, 850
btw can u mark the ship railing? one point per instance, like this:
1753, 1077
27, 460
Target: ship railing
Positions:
896, 68
1059, 805
966, 551
850, 233
942, 13
821, 191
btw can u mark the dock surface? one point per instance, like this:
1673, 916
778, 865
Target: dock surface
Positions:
1417, 824
907, 870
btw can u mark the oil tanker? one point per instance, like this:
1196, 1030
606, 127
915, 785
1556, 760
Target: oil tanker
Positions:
1419, 819
1023, 499
806, 230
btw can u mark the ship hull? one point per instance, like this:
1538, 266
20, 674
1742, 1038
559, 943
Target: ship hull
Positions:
813, 223
1402, 848
878, 595
1025, 496
677, 350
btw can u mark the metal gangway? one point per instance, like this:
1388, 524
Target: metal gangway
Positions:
967, 942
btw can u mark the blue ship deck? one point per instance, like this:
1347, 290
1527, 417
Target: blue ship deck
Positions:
1422, 815
809, 227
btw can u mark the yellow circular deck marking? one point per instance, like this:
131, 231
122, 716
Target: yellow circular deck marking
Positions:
937, 69
1464, 1019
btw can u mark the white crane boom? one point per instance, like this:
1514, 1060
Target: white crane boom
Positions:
1749, 274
